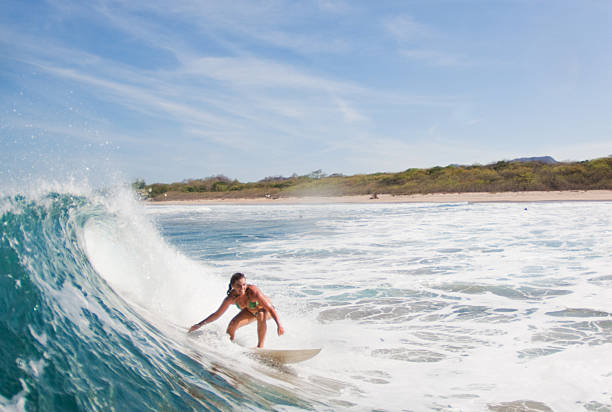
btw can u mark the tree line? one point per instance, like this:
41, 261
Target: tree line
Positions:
502, 176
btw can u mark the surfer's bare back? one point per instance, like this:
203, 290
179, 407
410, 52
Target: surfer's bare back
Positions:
253, 305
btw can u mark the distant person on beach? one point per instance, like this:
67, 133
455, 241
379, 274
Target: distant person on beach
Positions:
253, 305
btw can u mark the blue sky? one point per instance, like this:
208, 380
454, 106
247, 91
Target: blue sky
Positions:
185, 89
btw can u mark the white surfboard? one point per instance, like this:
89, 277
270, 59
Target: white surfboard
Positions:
283, 356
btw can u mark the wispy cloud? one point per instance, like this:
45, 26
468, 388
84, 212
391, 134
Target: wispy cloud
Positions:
238, 89
247, 22
420, 42
350, 114
407, 29
258, 96
261, 73
335, 6
244, 76
138, 98
435, 58
302, 44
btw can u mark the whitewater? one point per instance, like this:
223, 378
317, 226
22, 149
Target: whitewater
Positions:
417, 307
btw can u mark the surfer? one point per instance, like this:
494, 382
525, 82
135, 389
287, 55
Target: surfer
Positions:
253, 305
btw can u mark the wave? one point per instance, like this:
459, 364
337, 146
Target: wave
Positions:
91, 299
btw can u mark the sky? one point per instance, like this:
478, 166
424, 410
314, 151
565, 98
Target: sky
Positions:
182, 89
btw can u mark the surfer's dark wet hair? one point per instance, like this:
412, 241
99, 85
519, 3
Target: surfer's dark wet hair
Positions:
235, 277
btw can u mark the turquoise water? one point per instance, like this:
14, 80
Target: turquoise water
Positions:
416, 307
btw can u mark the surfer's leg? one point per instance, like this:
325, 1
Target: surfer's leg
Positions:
243, 318
262, 317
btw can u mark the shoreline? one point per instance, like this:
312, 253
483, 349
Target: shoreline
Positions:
476, 197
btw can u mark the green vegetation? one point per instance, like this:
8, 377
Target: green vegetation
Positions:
503, 176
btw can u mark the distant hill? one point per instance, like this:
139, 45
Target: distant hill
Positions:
542, 159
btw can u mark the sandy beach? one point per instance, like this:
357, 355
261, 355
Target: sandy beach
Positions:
559, 196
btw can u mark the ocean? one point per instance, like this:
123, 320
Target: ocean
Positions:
417, 307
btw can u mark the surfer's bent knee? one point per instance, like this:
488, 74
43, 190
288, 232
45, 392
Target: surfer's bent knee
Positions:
231, 329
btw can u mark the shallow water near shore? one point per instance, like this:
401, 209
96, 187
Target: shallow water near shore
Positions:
459, 306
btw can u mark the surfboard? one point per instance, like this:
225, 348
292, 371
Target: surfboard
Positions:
283, 356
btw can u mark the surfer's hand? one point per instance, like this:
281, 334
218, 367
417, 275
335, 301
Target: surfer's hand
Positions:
194, 327
280, 330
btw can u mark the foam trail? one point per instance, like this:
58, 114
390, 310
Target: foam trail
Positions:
416, 302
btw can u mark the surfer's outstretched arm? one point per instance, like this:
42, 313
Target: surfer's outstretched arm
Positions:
214, 316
